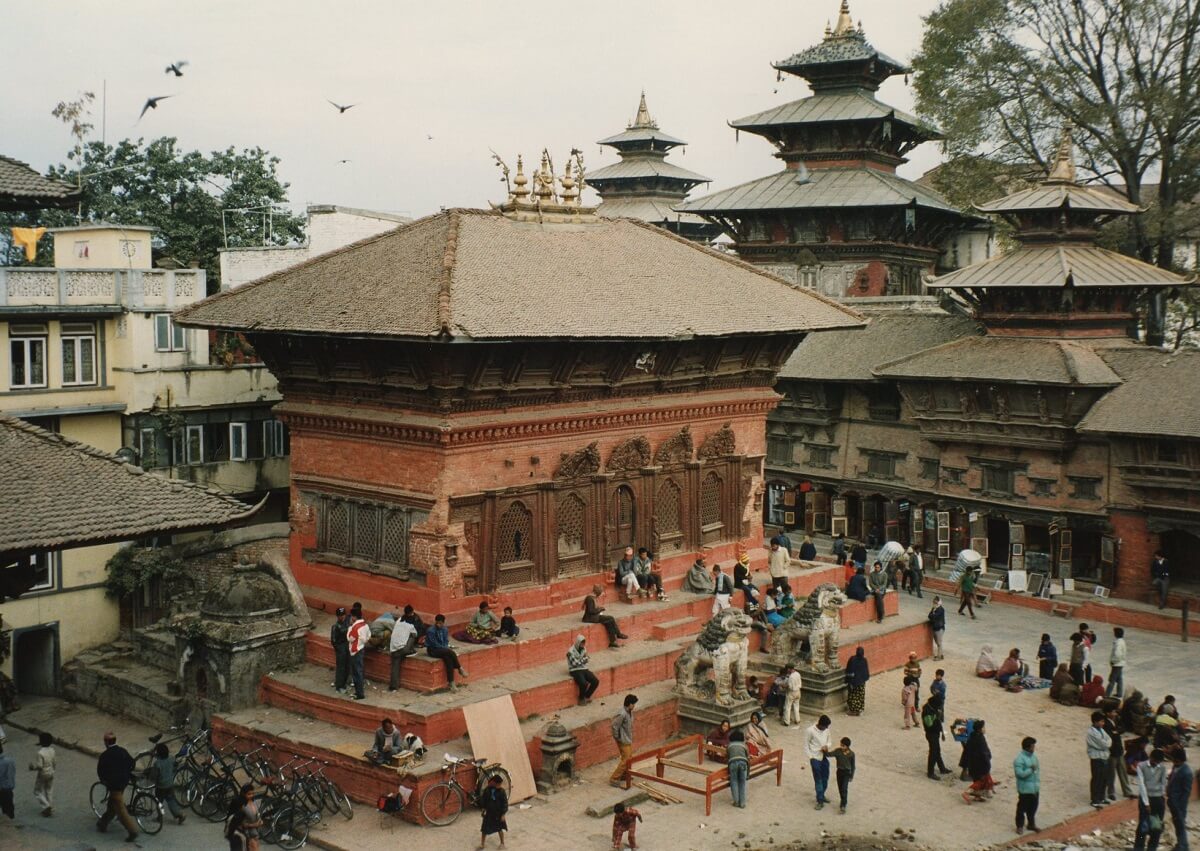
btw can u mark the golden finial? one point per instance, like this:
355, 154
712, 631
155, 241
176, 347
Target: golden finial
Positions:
1063, 168
520, 181
845, 24
543, 179
828, 28
570, 195
643, 118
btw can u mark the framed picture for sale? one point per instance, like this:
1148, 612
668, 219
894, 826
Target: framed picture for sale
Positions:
839, 526
944, 535
943, 551
838, 507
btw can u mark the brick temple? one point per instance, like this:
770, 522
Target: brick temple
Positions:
495, 403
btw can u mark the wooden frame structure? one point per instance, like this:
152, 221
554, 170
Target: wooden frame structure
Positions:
714, 781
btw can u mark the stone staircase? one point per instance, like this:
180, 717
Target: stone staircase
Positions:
133, 679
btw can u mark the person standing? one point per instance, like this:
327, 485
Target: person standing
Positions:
8, 784
937, 623
777, 564
979, 765
1160, 577
578, 663
737, 758
44, 762
341, 650
1047, 657
1116, 665
1152, 803
938, 687
622, 733
857, 674
115, 770
816, 748
1077, 656
966, 590
877, 580
494, 803
916, 572
1099, 744
625, 822
437, 645
791, 698
908, 701
1029, 784
1116, 757
593, 612
722, 590
162, 773
358, 635
403, 644
1179, 790
931, 722
843, 757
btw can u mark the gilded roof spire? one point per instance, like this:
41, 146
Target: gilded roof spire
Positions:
520, 181
1063, 168
845, 24
643, 119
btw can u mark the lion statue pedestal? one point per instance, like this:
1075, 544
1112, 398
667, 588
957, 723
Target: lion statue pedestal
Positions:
723, 647
809, 640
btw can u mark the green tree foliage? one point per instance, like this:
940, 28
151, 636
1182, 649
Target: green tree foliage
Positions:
195, 201
130, 568
1002, 76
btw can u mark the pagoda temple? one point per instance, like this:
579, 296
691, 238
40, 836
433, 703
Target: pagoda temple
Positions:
1040, 434
643, 185
838, 219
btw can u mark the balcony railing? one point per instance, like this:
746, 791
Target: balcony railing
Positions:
132, 289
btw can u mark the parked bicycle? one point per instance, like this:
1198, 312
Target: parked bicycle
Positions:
142, 804
443, 802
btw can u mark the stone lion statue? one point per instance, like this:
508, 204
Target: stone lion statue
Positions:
722, 645
818, 621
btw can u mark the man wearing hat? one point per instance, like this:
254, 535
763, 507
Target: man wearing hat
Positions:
916, 572
341, 650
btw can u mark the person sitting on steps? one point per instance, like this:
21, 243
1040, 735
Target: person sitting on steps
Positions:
593, 612
647, 576
627, 579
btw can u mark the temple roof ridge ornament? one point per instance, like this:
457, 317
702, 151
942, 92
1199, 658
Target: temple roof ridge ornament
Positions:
643, 121
845, 24
1063, 169
551, 197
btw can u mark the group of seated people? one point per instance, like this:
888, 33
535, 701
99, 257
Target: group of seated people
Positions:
637, 576
1009, 672
754, 734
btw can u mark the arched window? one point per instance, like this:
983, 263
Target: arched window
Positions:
710, 500
571, 512
624, 516
514, 537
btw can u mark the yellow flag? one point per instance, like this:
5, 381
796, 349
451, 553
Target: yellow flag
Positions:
28, 237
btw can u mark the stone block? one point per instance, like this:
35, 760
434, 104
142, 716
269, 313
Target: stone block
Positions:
603, 806
701, 716
823, 692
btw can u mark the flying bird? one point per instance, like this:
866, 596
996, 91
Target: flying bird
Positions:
341, 108
340, 162
152, 103
427, 136
176, 68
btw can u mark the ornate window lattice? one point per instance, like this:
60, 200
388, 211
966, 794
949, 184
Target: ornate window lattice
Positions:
624, 506
571, 512
710, 500
361, 531
514, 537
667, 510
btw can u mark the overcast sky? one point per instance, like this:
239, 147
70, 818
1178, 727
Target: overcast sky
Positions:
514, 76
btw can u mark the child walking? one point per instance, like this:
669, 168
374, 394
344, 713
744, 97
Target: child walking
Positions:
625, 820
908, 699
844, 757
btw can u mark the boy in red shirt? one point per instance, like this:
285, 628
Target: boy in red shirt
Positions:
625, 819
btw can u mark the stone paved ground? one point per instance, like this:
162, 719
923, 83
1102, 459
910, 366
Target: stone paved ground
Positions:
890, 791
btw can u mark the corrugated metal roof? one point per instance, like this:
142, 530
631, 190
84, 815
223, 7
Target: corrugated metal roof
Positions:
648, 209
1161, 398
848, 106
1049, 196
641, 134
849, 48
1052, 266
1008, 360
819, 188
632, 167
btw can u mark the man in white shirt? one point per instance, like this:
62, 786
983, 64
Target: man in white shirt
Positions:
358, 634
777, 564
1116, 663
403, 645
791, 699
722, 590
816, 748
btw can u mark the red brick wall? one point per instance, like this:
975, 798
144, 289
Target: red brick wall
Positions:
1136, 549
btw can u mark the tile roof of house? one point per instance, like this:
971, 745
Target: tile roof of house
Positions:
1059, 265
1160, 397
61, 494
1006, 360
851, 355
819, 189
22, 186
840, 106
478, 275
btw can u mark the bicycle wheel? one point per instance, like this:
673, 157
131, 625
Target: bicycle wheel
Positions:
486, 774
290, 828
146, 812
141, 770
99, 798
213, 801
339, 799
441, 804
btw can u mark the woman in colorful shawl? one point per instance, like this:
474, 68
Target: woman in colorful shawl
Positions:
757, 738
857, 674
482, 629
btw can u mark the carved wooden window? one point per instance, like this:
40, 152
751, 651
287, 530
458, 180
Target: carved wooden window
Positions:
360, 533
514, 536
571, 513
710, 500
667, 509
